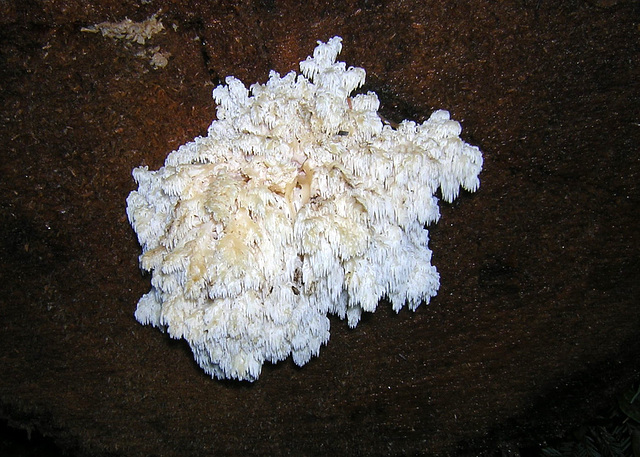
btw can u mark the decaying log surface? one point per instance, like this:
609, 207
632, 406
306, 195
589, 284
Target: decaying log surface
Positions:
536, 324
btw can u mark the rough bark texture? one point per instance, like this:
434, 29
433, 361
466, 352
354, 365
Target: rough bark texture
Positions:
537, 322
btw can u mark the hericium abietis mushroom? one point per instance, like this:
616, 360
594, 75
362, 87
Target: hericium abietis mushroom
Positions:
299, 202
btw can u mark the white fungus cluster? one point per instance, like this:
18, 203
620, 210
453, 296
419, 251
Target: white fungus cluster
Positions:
299, 202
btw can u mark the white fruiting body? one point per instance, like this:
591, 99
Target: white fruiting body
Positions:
299, 202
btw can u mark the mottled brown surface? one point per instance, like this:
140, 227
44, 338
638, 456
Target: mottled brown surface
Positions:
537, 322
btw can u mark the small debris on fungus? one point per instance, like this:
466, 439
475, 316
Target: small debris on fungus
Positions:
299, 202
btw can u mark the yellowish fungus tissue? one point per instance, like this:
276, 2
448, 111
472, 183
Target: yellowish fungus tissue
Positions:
299, 203
136, 32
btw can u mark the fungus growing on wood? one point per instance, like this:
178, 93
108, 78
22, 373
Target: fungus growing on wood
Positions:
299, 202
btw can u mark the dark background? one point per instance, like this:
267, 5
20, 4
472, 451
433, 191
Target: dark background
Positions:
536, 325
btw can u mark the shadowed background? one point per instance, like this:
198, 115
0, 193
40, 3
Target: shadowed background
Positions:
535, 327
